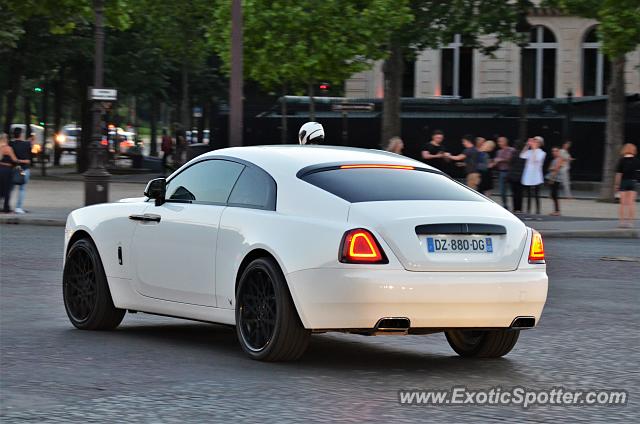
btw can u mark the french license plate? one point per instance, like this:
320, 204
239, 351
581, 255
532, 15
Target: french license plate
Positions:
459, 245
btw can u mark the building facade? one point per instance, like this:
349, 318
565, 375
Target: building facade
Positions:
563, 55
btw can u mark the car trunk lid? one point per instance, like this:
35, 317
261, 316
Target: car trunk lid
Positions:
488, 237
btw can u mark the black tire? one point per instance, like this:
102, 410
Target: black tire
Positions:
85, 290
482, 344
267, 323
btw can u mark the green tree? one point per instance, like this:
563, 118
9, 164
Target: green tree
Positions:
619, 32
433, 24
292, 45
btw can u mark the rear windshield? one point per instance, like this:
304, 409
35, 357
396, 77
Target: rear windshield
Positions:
374, 185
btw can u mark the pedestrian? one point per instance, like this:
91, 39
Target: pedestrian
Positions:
8, 160
470, 156
532, 177
484, 167
181, 144
516, 169
395, 145
627, 174
167, 148
22, 150
502, 164
434, 153
554, 178
565, 177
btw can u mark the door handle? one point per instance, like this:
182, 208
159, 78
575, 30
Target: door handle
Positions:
147, 217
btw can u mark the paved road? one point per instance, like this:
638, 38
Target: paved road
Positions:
155, 369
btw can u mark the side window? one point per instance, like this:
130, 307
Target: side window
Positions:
209, 181
254, 189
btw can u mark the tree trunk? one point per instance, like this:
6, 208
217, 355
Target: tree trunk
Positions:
184, 101
392, 70
283, 105
27, 116
58, 87
15, 80
312, 104
153, 149
615, 127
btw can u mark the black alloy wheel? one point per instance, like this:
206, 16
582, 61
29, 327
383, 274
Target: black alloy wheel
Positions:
85, 290
267, 323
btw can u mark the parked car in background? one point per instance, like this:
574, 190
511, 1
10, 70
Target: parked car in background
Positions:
67, 138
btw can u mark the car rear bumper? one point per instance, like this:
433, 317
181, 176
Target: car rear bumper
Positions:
351, 298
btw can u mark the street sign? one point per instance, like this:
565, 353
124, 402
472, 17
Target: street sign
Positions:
197, 112
103, 94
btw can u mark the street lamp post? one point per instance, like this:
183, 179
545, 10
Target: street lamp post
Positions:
569, 114
96, 179
235, 86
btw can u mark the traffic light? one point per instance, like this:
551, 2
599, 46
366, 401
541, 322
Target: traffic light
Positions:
38, 89
325, 87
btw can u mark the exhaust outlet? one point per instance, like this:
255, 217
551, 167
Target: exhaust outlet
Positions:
392, 326
523, 322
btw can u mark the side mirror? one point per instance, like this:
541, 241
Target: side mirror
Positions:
156, 190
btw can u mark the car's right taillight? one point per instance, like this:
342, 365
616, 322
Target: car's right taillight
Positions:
359, 246
536, 250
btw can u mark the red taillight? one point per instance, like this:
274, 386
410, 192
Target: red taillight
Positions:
104, 142
360, 246
536, 251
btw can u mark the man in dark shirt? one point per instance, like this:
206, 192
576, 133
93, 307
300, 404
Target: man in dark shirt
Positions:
434, 154
470, 156
22, 149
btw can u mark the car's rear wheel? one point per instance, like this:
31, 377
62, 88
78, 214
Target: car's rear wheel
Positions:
85, 290
482, 343
267, 323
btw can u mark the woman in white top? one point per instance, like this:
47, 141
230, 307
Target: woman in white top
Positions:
532, 176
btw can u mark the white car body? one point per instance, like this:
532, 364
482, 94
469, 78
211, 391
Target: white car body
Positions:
187, 265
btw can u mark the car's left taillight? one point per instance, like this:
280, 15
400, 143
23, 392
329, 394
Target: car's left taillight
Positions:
536, 250
359, 246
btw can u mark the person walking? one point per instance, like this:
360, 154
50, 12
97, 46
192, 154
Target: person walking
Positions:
532, 175
167, 148
485, 167
22, 150
502, 164
470, 156
516, 169
434, 153
8, 160
554, 178
395, 145
625, 183
565, 175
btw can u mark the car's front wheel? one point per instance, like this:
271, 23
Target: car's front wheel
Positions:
482, 343
85, 290
267, 323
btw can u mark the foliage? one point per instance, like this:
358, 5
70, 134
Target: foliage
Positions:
298, 43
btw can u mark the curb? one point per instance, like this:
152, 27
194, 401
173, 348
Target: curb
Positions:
615, 233
46, 222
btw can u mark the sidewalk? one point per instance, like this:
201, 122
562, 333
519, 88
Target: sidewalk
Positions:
50, 200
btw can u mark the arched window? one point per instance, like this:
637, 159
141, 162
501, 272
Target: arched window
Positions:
540, 64
595, 66
456, 69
